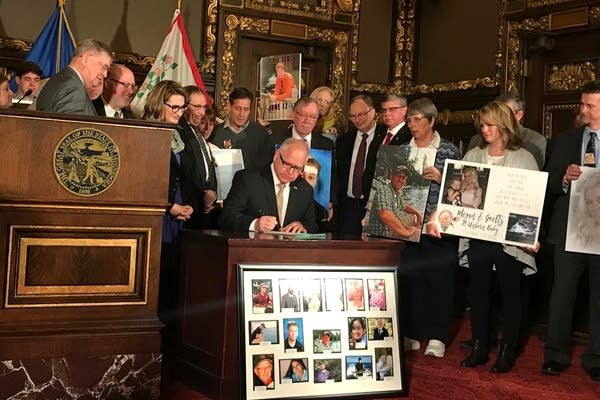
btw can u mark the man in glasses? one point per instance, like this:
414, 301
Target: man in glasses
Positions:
204, 177
393, 111
66, 92
119, 89
356, 155
275, 198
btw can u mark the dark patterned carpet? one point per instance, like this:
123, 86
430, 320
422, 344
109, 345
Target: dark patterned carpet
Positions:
434, 379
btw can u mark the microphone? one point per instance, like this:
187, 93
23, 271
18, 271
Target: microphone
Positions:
27, 93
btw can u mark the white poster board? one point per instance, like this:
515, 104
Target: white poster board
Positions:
227, 163
583, 226
489, 202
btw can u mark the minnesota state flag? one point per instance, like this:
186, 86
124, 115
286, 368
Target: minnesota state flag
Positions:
54, 47
175, 61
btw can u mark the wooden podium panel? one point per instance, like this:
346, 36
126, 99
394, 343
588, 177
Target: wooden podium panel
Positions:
207, 354
79, 271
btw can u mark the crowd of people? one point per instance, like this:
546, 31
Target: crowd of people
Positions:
275, 192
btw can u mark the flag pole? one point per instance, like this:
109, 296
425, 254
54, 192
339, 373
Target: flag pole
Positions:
178, 4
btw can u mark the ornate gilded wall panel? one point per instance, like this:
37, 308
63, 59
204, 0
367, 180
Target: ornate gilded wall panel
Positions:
321, 9
549, 114
569, 77
236, 24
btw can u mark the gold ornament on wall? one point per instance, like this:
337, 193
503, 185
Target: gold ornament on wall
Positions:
345, 5
569, 77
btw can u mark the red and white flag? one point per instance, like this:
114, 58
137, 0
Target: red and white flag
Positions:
175, 61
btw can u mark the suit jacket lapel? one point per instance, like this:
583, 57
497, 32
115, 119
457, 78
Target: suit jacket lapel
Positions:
269, 190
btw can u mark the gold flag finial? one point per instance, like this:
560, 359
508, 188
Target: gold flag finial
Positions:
61, 3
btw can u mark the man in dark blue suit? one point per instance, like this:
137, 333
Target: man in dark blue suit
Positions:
275, 198
393, 111
66, 92
356, 155
569, 151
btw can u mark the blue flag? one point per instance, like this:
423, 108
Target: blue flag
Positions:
54, 47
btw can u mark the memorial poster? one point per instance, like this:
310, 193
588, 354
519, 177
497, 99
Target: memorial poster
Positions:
583, 224
398, 198
280, 85
489, 202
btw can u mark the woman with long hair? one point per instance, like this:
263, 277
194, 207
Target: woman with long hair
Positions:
501, 146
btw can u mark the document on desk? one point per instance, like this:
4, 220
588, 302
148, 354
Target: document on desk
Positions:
300, 235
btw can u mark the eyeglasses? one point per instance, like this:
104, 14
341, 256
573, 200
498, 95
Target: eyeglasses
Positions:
127, 85
286, 164
415, 118
391, 109
311, 117
359, 115
176, 108
202, 106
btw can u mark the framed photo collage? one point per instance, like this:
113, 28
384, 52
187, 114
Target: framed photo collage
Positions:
319, 330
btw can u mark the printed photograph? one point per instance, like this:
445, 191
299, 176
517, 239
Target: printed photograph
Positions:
355, 295
380, 328
293, 335
327, 340
327, 370
465, 186
334, 295
583, 223
357, 333
385, 363
293, 370
263, 332
317, 172
359, 367
280, 84
377, 299
399, 193
262, 296
263, 371
521, 228
311, 295
290, 300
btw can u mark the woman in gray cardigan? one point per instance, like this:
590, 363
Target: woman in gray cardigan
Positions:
501, 146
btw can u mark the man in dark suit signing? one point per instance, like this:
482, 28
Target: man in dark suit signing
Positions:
568, 151
356, 155
119, 89
275, 198
67, 91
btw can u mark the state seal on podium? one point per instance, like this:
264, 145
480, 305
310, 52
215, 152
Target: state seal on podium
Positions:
86, 161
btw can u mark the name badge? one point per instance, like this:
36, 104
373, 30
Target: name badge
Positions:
589, 159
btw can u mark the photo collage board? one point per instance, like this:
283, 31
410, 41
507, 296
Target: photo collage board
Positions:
319, 330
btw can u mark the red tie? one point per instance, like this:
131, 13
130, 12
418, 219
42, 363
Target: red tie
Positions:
359, 167
388, 138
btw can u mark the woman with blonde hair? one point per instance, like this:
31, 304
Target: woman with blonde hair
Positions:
324, 96
470, 192
501, 146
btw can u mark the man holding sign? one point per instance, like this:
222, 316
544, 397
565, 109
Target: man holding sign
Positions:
570, 150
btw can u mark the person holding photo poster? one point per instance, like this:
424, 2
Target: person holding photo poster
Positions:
500, 146
569, 151
426, 275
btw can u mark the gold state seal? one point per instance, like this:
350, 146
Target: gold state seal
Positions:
86, 162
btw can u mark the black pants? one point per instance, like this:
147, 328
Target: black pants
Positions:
349, 216
426, 282
482, 257
568, 269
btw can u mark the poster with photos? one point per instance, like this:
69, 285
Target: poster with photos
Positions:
399, 192
490, 202
322, 335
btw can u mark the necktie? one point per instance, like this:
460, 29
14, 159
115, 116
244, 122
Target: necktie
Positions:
359, 167
117, 114
589, 158
388, 138
279, 198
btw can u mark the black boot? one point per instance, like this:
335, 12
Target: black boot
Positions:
478, 356
506, 359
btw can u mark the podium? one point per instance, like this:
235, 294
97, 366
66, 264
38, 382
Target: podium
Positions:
81, 206
207, 355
